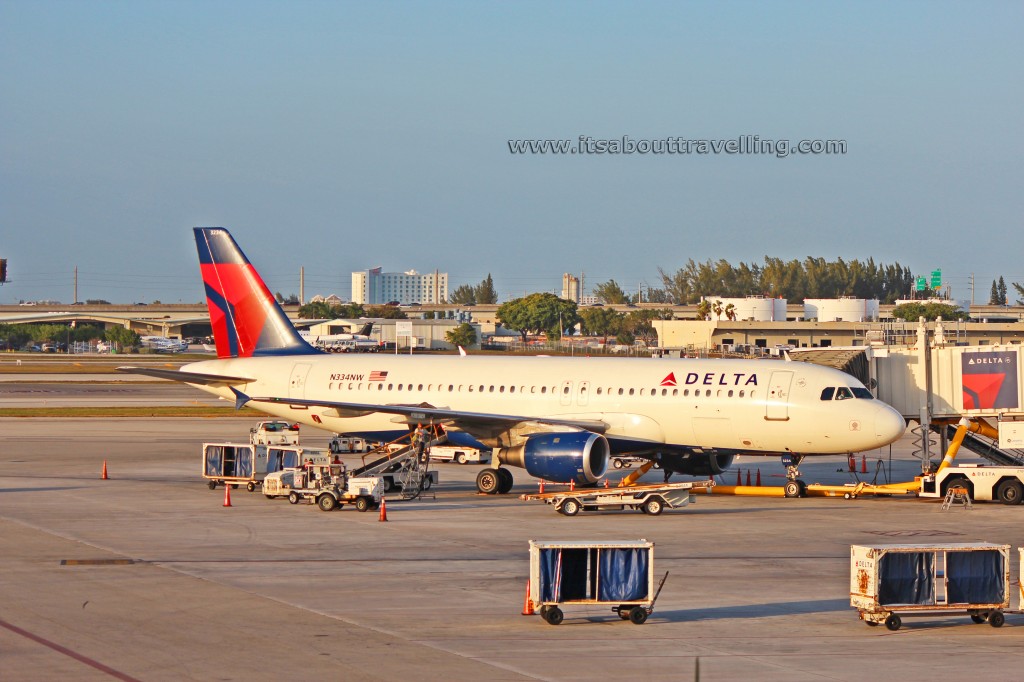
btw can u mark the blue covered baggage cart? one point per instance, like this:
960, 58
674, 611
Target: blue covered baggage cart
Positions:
587, 573
890, 581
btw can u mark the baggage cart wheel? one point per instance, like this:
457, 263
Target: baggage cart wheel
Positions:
487, 481
893, 622
460, 458
326, 502
544, 612
637, 615
654, 506
554, 616
571, 507
269, 497
250, 486
977, 618
212, 485
293, 497
996, 619
426, 483
362, 504
617, 464
623, 612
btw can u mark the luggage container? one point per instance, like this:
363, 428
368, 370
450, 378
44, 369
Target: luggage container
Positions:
247, 464
888, 582
580, 573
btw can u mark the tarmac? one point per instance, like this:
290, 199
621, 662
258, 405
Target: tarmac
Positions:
147, 576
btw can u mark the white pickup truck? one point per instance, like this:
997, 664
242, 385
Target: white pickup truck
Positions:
451, 453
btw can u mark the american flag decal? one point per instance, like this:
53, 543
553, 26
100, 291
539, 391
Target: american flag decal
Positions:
378, 376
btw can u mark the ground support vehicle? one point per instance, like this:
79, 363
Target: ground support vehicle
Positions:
327, 485
578, 573
984, 483
401, 466
246, 464
650, 499
274, 433
451, 453
340, 444
627, 462
891, 582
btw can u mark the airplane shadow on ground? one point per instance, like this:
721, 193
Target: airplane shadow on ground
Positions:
41, 490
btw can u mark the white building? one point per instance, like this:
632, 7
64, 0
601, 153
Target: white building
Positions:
373, 287
571, 287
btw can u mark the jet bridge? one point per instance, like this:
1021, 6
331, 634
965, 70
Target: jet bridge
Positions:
934, 382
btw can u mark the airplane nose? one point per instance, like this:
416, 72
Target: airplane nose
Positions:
889, 424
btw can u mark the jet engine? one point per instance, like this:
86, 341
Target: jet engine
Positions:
579, 456
698, 464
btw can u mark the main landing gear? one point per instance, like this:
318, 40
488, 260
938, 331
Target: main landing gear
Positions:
494, 481
794, 486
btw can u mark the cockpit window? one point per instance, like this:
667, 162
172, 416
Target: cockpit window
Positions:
843, 393
863, 393
828, 393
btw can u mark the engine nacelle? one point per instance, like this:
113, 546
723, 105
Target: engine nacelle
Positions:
579, 456
699, 464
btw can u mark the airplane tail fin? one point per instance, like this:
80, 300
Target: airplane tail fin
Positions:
246, 319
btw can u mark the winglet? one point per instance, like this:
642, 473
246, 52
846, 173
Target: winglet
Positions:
240, 398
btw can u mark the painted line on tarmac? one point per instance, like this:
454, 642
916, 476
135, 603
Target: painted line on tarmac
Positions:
68, 652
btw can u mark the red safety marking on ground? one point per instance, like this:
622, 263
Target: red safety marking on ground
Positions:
68, 652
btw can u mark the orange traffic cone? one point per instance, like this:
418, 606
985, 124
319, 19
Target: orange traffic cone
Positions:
572, 484
863, 464
527, 603
606, 482
758, 478
383, 510
748, 476
541, 486
739, 481
227, 494
103, 476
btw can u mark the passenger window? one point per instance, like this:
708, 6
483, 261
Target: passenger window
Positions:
631, 391
491, 389
828, 393
730, 393
390, 386
599, 390
741, 392
501, 389
400, 387
620, 391
543, 389
565, 391
686, 393
481, 389
675, 392
419, 388
843, 393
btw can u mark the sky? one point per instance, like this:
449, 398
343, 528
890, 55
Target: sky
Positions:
341, 136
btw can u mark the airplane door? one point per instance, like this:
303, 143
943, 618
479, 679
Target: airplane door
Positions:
584, 393
777, 404
297, 386
565, 396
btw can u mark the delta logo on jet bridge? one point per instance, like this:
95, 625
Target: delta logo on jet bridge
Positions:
712, 379
989, 380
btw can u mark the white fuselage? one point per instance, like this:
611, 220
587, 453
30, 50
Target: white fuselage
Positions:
751, 406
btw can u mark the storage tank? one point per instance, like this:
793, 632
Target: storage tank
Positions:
845, 309
757, 308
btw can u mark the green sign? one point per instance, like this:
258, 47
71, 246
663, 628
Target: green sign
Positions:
920, 284
936, 279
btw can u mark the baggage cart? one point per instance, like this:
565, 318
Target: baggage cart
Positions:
650, 499
586, 573
891, 582
249, 464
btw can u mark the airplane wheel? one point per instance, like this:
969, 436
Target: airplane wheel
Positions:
792, 488
487, 481
505, 481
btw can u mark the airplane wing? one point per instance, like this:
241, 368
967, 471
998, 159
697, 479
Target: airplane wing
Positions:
186, 377
474, 423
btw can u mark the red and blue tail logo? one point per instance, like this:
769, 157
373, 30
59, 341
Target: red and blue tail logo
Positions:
246, 319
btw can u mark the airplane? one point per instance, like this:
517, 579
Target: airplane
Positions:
560, 419
163, 344
348, 341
